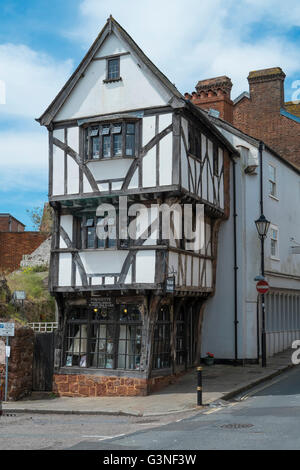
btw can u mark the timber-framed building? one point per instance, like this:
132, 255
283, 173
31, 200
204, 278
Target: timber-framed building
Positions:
120, 128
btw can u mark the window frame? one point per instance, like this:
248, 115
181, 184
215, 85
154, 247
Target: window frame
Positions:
215, 159
275, 229
272, 182
180, 339
109, 79
107, 244
194, 141
88, 139
93, 337
162, 344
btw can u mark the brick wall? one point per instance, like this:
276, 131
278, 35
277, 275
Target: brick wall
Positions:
20, 364
214, 93
13, 226
259, 115
14, 245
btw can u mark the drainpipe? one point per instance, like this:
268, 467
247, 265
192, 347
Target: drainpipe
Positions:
235, 265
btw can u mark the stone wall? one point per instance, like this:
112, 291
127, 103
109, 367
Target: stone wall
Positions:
98, 386
14, 245
39, 257
19, 364
71, 385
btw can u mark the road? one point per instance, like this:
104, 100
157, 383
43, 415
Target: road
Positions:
266, 418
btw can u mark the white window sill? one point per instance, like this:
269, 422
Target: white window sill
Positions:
274, 258
273, 197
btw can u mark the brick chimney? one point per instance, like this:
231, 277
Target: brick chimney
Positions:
214, 93
267, 88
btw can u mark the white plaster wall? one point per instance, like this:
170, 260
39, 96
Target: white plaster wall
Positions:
73, 176
165, 160
65, 268
149, 169
184, 167
145, 266
73, 138
218, 326
58, 171
164, 121
138, 89
110, 169
148, 129
97, 262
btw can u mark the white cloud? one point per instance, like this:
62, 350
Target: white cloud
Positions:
23, 161
194, 40
32, 79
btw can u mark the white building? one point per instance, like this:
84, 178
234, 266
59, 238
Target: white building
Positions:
119, 128
281, 197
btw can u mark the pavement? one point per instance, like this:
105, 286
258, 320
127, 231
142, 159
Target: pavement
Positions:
220, 382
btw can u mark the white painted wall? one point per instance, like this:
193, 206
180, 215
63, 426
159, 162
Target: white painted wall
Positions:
138, 89
218, 326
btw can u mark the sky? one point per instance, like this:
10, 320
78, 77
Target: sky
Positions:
42, 42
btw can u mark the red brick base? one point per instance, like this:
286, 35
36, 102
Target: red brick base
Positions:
101, 386
98, 386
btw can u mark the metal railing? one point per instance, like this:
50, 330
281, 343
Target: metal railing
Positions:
43, 327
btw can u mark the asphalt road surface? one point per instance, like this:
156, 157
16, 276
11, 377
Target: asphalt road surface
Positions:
265, 418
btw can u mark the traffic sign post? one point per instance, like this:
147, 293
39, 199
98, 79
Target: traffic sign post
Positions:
7, 330
262, 288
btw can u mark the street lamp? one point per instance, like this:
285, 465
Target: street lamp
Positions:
262, 225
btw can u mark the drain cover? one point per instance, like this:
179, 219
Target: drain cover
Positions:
236, 426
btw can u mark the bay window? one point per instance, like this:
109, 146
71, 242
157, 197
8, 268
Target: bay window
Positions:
110, 140
104, 338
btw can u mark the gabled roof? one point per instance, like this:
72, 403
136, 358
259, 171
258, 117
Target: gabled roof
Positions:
111, 26
245, 94
12, 217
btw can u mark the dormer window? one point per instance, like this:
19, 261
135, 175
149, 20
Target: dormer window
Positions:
110, 140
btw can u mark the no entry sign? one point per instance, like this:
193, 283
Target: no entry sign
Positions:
262, 287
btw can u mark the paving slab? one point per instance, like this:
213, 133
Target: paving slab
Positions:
220, 382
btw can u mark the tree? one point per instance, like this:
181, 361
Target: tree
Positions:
35, 215
41, 218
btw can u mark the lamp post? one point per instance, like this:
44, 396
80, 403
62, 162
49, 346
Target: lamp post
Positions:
262, 226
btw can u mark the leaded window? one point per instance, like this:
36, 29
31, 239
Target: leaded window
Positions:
113, 69
194, 143
99, 232
104, 338
180, 338
110, 140
161, 343
272, 181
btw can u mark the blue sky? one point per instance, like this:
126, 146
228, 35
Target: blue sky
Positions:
42, 41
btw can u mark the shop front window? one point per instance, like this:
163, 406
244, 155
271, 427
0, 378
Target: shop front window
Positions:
110, 338
180, 339
161, 343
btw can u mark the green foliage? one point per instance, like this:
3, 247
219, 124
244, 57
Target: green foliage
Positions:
31, 282
41, 268
36, 215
